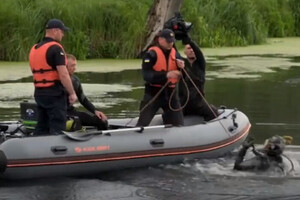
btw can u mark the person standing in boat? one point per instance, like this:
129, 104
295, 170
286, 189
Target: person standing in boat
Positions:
160, 69
195, 66
268, 157
47, 61
94, 118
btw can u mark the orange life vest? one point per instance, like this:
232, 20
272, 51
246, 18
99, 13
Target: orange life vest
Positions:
162, 64
43, 74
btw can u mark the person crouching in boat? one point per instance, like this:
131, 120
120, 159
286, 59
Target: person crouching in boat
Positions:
160, 69
268, 157
195, 67
95, 117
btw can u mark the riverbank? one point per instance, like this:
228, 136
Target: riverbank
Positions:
287, 47
284, 46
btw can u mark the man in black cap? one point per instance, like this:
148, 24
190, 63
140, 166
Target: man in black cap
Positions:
47, 61
160, 69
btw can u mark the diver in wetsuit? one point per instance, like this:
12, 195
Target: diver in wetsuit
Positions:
268, 157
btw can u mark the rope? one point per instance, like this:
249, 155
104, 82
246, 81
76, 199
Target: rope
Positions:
155, 97
187, 98
200, 93
180, 108
293, 167
151, 101
204, 100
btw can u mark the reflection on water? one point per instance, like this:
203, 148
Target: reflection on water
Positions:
203, 179
265, 88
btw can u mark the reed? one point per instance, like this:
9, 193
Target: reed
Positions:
115, 29
241, 22
99, 29
295, 6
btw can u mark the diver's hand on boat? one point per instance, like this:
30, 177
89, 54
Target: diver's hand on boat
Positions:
72, 98
248, 143
100, 115
174, 74
180, 63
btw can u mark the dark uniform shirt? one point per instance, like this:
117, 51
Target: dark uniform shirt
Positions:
55, 56
81, 96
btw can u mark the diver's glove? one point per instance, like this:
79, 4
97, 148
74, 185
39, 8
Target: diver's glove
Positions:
249, 142
186, 39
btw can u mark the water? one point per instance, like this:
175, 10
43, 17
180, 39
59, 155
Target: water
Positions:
265, 87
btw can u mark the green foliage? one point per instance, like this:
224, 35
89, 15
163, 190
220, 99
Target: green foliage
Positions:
115, 29
99, 29
241, 22
295, 6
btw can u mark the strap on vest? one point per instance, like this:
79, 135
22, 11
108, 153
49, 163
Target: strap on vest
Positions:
42, 70
158, 85
44, 81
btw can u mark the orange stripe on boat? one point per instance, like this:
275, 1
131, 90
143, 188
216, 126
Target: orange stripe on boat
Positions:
246, 130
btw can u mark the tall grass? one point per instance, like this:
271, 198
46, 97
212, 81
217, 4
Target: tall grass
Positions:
295, 6
18, 29
241, 22
99, 28
115, 29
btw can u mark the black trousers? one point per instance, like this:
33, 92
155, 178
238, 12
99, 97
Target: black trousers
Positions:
88, 119
200, 108
169, 117
52, 114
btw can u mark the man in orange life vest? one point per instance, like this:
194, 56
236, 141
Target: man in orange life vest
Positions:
47, 61
161, 66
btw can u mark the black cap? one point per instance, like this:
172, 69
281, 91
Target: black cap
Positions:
56, 23
168, 34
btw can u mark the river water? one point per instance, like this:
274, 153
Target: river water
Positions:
263, 85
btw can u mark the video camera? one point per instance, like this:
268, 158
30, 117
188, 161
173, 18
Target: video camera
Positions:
179, 26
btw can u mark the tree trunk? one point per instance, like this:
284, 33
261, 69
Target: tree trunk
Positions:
160, 12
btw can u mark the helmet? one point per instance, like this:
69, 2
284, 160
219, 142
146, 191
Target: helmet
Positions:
274, 146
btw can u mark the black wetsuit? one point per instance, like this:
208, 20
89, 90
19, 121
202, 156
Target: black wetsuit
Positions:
158, 77
260, 162
86, 119
196, 104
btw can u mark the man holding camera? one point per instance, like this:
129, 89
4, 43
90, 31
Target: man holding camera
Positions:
195, 72
195, 67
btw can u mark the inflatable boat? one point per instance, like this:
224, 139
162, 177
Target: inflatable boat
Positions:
24, 155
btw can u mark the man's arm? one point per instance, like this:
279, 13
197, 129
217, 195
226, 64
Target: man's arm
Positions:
83, 100
149, 74
240, 158
199, 55
55, 57
66, 82
259, 162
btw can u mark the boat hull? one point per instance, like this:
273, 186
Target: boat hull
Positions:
31, 157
